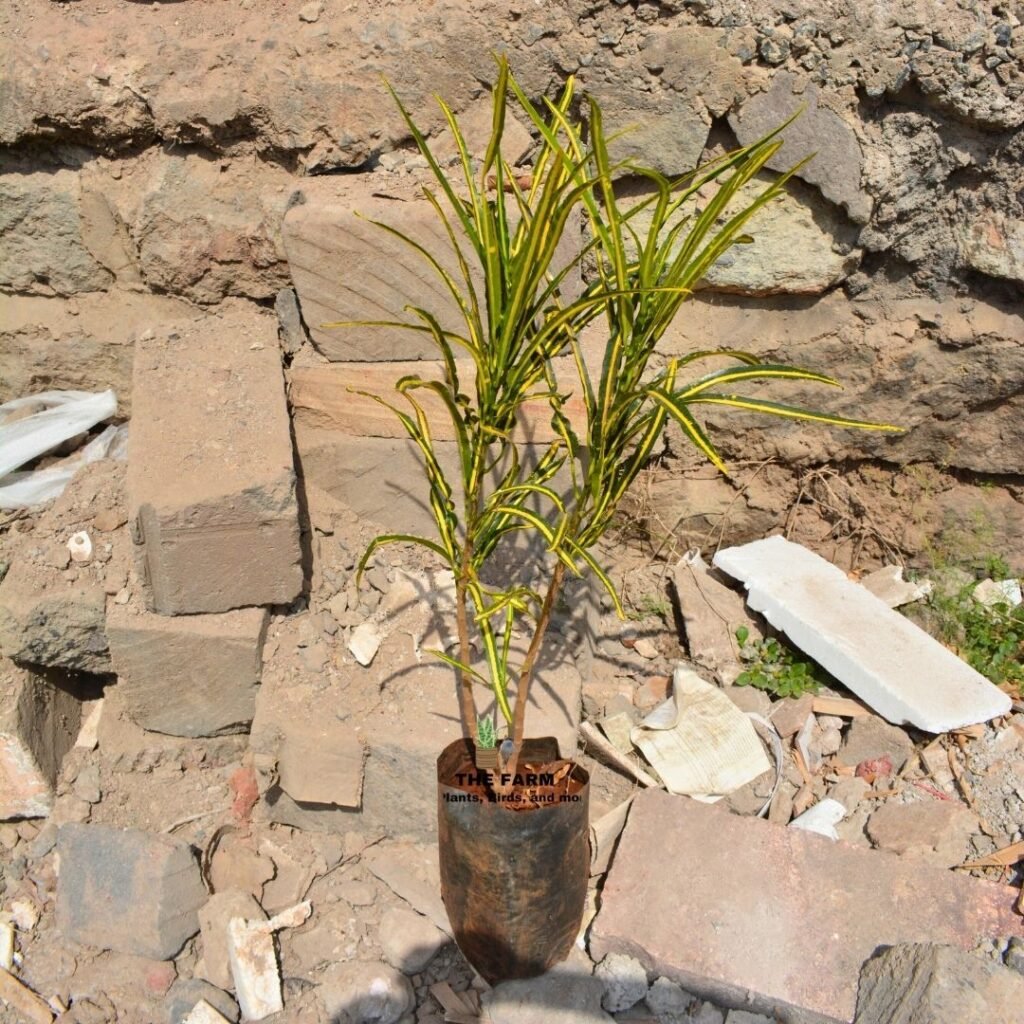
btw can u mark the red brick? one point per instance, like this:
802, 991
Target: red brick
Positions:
733, 907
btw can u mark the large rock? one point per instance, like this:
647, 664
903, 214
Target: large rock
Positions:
188, 675
39, 721
42, 250
562, 996
762, 934
926, 983
52, 609
211, 486
801, 246
359, 991
208, 229
347, 268
127, 890
994, 244
835, 168
965, 412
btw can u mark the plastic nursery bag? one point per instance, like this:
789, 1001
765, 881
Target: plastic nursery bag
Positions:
66, 414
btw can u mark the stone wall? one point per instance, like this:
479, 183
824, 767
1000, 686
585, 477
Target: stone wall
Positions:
149, 152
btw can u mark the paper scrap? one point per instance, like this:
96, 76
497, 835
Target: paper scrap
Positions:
699, 742
604, 835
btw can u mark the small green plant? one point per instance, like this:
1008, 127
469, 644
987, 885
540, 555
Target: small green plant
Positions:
774, 667
650, 606
989, 638
486, 738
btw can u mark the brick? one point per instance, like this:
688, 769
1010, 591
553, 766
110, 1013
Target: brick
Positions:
926, 983
188, 675
211, 482
890, 663
39, 721
346, 268
127, 890
775, 918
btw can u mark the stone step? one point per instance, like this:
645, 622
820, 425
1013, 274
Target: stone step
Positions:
188, 675
211, 481
743, 912
890, 663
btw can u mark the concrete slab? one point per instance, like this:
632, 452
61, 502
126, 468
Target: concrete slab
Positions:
211, 482
188, 675
746, 913
890, 663
38, 725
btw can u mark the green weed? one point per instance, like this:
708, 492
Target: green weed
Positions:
774, 667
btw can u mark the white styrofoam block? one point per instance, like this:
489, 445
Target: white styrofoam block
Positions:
887, 661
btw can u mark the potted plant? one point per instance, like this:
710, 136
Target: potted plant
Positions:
514, 839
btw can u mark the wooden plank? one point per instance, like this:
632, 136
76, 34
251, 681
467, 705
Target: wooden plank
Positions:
327, 397
23, 1000
842, 707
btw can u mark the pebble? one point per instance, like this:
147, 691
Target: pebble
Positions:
667, 999
624, 979
364, 643
311, 12
646, 648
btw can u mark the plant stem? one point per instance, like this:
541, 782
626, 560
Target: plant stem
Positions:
526, 672
465, 679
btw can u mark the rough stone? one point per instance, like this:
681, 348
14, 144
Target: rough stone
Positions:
84, 345
207, 229
800, 247
127, 890
43, 251
188, 675
409, 940
869, 738
760, 934
186, 992
211, 487
885, 659
308, 761
412, 871
361, 991
39, 721
835, 168
290, 329
935, 831
924, 983
994, 245
624, 980
215, 965
562, 996
667, 1001
711, 615
53, 625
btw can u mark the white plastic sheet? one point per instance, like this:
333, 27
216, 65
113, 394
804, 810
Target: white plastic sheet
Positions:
23, 490
65, 415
